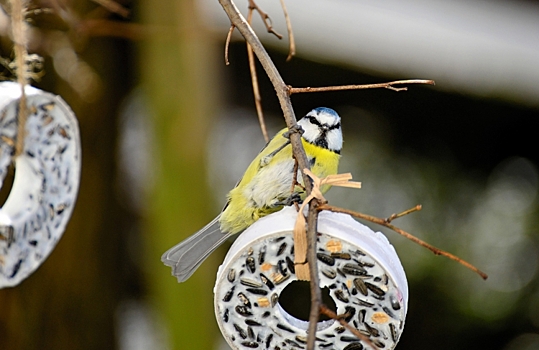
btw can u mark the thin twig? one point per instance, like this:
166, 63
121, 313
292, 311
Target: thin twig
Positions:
384, 222
227, 42
18, 8
406, 212
291, 40
254, 81
341, 319
265, 18
296, 90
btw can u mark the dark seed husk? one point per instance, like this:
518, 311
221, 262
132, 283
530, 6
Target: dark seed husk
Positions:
340, 272
228, 295
373, 331
326, 259
350, 312
285, 328
329, 273
251, 333
281, 249
250, 263
243, 298
361, 315
266, 314
375, 289
225, 316
339, 294
363, 303
290, 265
262, 256
282, 267
274, 299
360, 285
252, 323
394, 302
353, 346
378, 343
250, 344
293, 343
343, 256
257, 291
268, 340
240, 331
393, 331
347, 338
243, 311
340, 329
231, 275
354, 270
267, 281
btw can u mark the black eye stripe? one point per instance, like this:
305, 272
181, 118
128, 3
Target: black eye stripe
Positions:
336, 126
315, 121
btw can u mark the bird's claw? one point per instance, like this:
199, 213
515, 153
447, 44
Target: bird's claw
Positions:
292, 130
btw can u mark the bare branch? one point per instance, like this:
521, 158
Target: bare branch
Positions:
227, 43
406, 212
341, 319
291, 40
384, 222
254, 81
265, 18
294, 90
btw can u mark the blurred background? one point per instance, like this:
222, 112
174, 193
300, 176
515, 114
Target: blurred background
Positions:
167, 130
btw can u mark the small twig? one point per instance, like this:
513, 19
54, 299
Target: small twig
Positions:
227, 42
291, 40
18, 9
383, 222
406, 212
295, 90
254, 81
341, 319
316, 294
265, 18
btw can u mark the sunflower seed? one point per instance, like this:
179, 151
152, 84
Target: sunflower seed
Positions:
329, 273
245, 301
243, 311
228, 295
240, 331
394, 302
360, 285
326, 259
290, 265
250, 263
266, 281
353, 346
250, 283
231, 275
282, 247
353, 269
375, 289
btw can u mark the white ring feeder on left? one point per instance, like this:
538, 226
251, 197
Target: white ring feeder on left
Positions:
46, 183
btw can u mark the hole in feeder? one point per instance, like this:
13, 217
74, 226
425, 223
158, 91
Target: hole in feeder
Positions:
295, 304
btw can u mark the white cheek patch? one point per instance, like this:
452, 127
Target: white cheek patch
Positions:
47, 175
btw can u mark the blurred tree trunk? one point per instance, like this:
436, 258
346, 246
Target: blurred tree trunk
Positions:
178, 67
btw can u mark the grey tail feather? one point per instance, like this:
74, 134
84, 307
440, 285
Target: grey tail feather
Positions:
186, 256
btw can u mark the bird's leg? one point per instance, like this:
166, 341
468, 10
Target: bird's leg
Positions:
295, 197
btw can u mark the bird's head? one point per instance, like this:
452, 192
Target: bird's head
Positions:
322, 127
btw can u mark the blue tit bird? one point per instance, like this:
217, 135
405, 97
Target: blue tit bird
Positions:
264, 189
